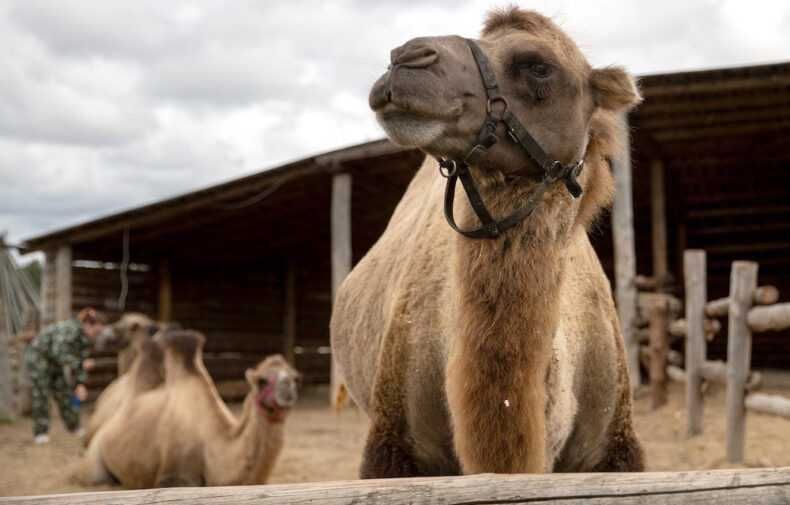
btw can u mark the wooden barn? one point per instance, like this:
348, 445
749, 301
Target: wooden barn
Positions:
252, 262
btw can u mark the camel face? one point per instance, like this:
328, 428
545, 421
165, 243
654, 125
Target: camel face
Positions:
432, 97
132, 329
274, 385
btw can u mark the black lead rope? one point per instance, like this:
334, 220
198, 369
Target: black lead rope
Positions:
453, 170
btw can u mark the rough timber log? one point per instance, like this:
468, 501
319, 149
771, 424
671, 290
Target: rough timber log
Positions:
743, 281
770, 318
679, 328
625, 263
659, 348
722, 487
694, 266
768, 404
763, 295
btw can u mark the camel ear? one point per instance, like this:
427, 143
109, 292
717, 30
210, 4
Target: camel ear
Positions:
248, 374
614, 89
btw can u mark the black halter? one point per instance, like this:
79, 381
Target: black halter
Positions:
453, 170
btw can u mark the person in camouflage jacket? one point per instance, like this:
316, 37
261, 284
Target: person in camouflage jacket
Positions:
57, 360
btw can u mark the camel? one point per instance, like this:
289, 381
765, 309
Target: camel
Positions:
131, 333
182, 433
132, 328
496, 350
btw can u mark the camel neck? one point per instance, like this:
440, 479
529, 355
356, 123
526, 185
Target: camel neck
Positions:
259, 440
507, 312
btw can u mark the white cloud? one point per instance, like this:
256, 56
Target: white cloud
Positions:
106, 105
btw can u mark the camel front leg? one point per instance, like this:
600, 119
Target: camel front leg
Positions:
387, 453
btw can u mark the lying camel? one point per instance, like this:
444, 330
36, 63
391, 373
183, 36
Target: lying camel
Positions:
486, 339
130, 333
182, 434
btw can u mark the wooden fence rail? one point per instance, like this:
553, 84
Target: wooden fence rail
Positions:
722, 487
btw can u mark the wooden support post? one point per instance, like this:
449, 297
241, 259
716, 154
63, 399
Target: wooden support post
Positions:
289, 313
625, 262
7, 403
759, 486
165, 292
658, 224
696, 294
341, 251
743, 281
48, 289
659, 348
63, 283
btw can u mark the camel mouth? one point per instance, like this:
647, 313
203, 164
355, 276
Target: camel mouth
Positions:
272, 406
413, 92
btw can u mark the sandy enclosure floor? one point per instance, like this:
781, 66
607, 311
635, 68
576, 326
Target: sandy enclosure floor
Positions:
322, 445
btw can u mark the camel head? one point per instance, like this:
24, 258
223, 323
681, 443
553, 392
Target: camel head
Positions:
132, 329
274, 385
432, 97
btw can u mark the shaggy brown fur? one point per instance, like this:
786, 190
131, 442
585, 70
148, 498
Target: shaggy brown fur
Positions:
492, 355
182, 434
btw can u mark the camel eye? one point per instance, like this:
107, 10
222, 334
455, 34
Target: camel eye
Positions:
262, 382
540, 70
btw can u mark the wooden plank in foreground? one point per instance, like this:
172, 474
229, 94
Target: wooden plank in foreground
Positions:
722, 487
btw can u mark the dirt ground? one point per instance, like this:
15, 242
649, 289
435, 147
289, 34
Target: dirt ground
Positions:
322, 445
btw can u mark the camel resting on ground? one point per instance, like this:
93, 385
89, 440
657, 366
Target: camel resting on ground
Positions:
497, 350
182, 433
130, 334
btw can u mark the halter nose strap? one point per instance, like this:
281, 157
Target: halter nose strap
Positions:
552, 169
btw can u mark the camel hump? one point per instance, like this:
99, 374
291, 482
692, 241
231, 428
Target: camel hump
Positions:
184, 344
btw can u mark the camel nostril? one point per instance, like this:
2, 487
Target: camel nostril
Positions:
412, 56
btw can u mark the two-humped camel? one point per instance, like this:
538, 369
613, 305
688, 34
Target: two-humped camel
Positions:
182, 433
496, 354
130, 334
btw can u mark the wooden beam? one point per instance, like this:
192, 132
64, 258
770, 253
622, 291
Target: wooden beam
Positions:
723, 102
625, 261
63, 309
743, 282
165, 292
721, 131
723, 487
679, 328
658, 223
341, 251
719, 85
289, 312
716, 372
768, 404
770, 318
763, 295
696, 294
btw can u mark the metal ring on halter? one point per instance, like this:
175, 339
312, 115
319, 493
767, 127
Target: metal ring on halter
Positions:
448, 168
490, 104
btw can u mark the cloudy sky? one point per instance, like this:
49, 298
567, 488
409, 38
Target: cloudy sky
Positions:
108, 105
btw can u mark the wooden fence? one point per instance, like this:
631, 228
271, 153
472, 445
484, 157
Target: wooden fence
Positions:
749, 308
723, 487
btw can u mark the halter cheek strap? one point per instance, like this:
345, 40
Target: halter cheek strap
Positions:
553, 170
